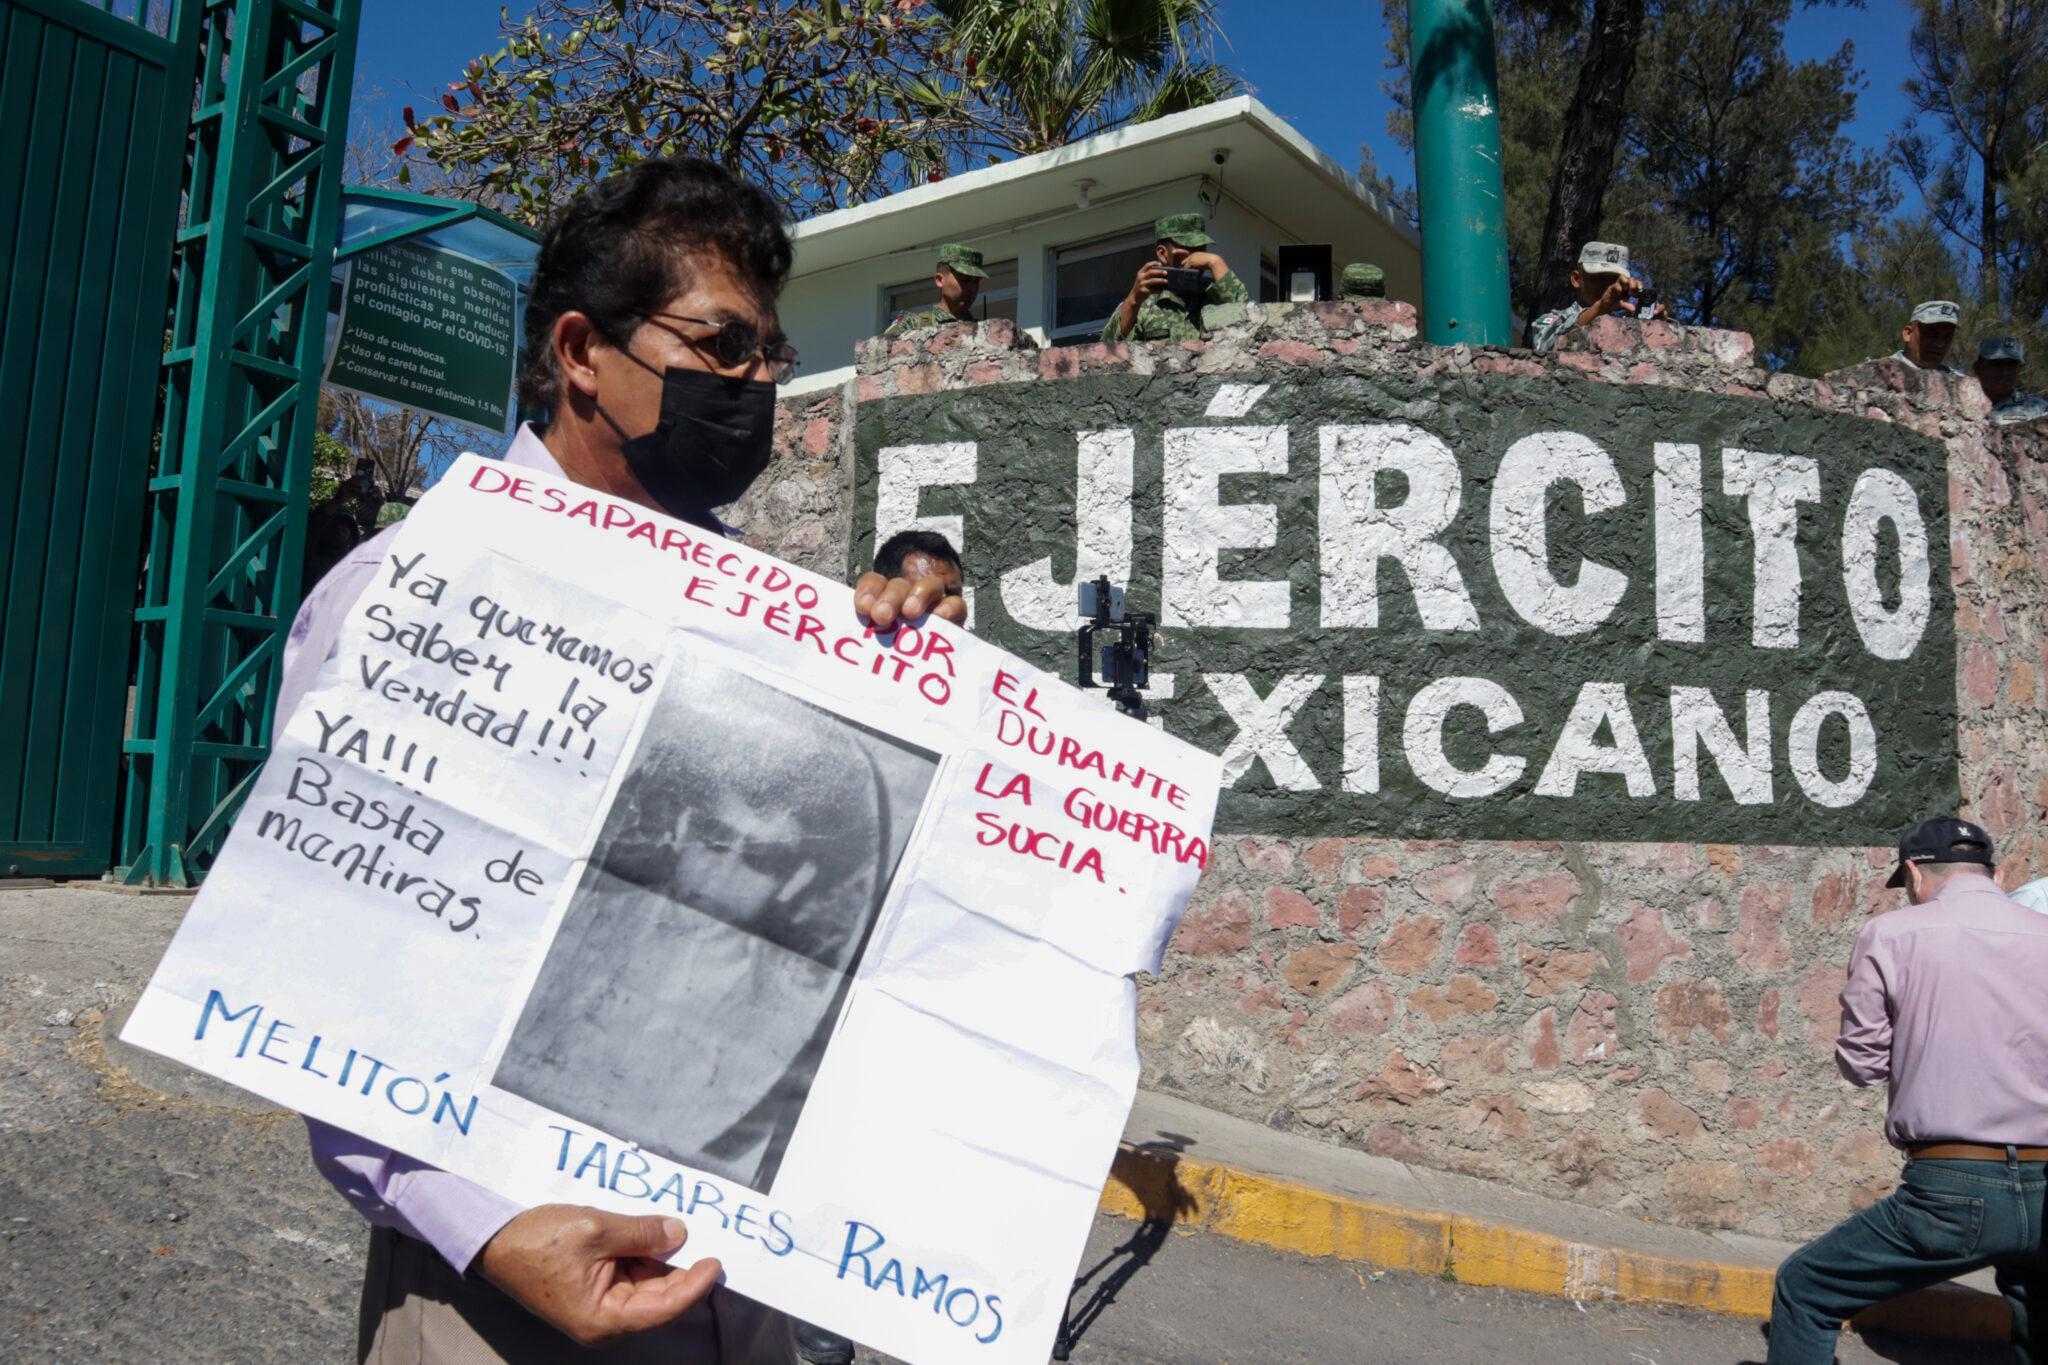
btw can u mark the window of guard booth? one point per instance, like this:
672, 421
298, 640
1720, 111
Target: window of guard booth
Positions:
997, 299
1089, 280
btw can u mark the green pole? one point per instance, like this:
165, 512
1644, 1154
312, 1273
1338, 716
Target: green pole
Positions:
1456, 98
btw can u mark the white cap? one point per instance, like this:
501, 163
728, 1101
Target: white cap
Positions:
1603, 258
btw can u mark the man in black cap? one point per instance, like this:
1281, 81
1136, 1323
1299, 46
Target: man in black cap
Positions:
1947, 1002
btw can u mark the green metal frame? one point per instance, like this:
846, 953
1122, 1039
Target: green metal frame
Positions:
227, 504
93, 106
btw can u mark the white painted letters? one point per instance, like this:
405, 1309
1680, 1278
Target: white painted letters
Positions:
1422, 736
1881, 496
902, 473
1521, 545
1802, 746
1262, 727
1696, 719
1103, 474
1357, 533
1579, 749
1199, 527
1775, 486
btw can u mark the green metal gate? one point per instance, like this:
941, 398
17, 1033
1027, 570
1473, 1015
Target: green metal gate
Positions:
94, 108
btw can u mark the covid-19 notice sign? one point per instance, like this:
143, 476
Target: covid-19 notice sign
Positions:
429, 329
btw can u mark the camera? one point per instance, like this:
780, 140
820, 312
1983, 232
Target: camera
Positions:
1190, 285
1220, 155
1127, 661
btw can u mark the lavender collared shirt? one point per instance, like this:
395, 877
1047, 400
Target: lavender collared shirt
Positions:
452, 1215
1948, 1001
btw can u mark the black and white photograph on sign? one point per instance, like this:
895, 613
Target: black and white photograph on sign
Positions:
688, 996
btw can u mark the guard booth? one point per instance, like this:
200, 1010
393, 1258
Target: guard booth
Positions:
167, 275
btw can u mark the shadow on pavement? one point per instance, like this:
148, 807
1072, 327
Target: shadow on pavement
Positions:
1165, 1200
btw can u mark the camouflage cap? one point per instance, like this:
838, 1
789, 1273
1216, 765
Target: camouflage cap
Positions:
1182, 229
1603, 258
1362, 281
1936, 310
964, 260
2001, 348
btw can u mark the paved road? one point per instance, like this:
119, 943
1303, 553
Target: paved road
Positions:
147, 1214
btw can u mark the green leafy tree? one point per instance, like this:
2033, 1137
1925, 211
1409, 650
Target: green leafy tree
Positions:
1740, 181
331, 464
1977, 147
1862, 302
1734, 182
1591, 135
1038, 74
811, 100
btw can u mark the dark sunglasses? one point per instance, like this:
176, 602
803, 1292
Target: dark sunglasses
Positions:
735, 343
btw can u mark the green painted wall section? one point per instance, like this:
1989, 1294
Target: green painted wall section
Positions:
1021, 506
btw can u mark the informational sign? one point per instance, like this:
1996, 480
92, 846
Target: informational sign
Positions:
431, 330
610, 863
1472, 606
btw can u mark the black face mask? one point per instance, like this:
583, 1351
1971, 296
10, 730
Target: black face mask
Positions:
714, 438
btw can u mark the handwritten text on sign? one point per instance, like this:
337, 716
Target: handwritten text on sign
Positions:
1481, 606
613, 863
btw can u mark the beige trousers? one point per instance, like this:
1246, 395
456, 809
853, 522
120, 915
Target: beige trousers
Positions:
418, 1311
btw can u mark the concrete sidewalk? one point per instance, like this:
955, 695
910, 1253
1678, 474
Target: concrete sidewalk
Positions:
1185, 1164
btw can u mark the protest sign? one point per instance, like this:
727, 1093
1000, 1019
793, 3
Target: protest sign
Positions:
613, 863
429, 329
1472, 605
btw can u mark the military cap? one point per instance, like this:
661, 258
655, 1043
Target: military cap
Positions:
964, 260
1182, 229
2001, 348
1603, 258
1936, 310
1362, 281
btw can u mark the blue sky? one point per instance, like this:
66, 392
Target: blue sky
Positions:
1317, 63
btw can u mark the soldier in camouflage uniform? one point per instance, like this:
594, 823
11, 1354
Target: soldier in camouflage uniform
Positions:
1602, 285
1998, 374
1362, 281
1151, 313
958, 277
1928, 334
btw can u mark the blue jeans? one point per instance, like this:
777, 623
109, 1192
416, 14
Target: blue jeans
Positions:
1947, 1218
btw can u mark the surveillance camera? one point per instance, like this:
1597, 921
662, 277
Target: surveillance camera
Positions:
1220, 155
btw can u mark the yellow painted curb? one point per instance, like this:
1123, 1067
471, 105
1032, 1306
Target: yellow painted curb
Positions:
1249, 1207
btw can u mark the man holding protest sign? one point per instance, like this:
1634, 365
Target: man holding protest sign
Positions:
652, 340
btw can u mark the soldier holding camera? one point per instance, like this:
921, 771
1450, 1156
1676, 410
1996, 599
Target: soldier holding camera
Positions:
1171, 289
1603, 285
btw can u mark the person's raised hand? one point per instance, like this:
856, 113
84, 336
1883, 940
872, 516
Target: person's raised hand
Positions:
1206, 260
1151, 279
884, 602
594, 1275
1618, 297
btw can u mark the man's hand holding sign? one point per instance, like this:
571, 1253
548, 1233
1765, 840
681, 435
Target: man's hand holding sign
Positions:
664, 891
596, 1275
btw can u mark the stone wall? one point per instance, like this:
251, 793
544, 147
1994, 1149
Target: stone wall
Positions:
1645, 1027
